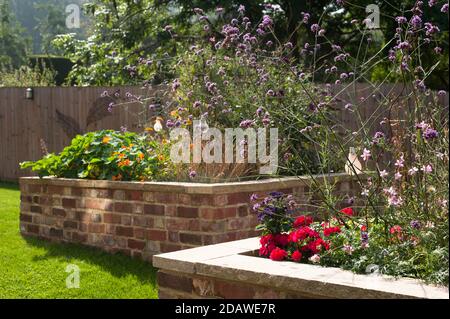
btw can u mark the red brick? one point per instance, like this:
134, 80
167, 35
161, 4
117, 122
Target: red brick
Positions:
239, 198
55, 190
133, 195
123, 207
82, 216
243, 210
182, 224
36, 209
119, 195
34, 189
169, 247
32, 229
76, 192
99, 204
165, 198
96, 228
111, 218
69, 202
70, 224
213, 225
187, 212
218, 213
237, 224
45, 200
174, 236
193, 239
154, 210
140, 233
59, 212
202, 200
229, 290
136, 244
26, 199
124, 231
176, 282
79, 237
26, 218
54, 232
158, 235
143, 221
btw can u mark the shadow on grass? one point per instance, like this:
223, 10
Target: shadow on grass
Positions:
9, 186
117, 265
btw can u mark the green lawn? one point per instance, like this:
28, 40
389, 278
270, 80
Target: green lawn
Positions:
32, 268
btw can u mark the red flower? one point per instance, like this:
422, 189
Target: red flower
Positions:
281, 239
278, 254
296, 256
364, 228
347, 211
264, 240
331, 230
395, 229
303, 221
267, 249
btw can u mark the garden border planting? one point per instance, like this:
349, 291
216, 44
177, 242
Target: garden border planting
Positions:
231, 270
141, 219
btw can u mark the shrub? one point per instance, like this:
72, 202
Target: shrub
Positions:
105, 155
27, 77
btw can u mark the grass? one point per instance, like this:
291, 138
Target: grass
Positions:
32, 268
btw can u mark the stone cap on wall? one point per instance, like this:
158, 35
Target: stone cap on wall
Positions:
263, 185
228, 261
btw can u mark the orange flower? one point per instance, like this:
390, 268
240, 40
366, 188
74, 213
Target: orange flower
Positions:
121, 155
106, 139
141, 156
161, 158
126, 162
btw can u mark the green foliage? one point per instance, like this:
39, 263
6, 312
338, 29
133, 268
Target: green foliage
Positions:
122, 32
13, 43
27, 77
103, 155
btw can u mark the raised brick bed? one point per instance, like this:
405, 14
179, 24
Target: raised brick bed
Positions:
231, 270
144, 219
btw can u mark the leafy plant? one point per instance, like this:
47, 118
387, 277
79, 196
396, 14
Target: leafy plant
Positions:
104, 155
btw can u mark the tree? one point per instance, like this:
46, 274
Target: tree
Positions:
13, 42
128, 35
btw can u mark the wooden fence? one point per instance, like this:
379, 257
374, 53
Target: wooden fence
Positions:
55, 115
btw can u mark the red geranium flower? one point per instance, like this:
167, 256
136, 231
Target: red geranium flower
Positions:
296, 256
303, 221
347, 211
331, 230
281, 239
363, 228
278, 254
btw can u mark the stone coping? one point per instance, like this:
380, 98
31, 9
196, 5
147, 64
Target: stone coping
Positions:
195, 188
226, 261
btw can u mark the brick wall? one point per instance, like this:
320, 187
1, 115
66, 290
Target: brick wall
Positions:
175, 285
144, 219
233, 270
